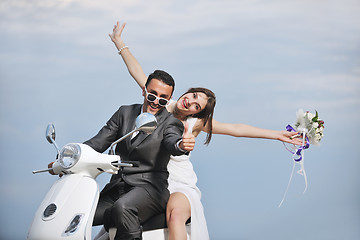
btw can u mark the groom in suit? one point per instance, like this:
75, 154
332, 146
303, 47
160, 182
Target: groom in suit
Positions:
137, 193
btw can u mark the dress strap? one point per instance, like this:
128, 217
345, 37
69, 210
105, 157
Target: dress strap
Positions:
191, 121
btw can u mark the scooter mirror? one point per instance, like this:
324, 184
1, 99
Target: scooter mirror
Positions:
146, 122
50, 136
50, 133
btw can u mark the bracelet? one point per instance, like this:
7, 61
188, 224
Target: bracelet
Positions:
122, 49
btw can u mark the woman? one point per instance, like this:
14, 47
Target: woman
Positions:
195, 108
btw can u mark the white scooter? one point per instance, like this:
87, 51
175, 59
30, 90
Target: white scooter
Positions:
68, 209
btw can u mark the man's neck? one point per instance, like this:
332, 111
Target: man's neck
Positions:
157, 113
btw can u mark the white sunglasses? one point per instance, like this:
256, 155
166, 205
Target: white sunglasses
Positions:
152, 97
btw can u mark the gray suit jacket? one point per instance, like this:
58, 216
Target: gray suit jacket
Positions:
151, 152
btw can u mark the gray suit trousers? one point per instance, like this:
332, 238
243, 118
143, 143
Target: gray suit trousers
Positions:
126, 208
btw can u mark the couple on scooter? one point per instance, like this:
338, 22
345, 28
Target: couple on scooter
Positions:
136, 194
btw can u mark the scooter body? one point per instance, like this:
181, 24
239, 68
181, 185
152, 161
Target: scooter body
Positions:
68, 208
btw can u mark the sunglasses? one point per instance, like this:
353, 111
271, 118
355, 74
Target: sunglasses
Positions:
152, 97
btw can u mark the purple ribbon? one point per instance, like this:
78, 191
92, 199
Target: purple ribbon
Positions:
298, 156
297, 153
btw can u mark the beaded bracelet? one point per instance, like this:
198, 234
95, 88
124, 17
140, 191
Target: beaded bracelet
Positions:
122, 49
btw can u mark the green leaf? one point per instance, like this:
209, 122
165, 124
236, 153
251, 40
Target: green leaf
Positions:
315, 119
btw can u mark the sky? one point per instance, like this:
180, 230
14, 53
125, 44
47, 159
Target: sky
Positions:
263, 59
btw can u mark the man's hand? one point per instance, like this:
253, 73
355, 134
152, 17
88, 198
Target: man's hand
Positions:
50, 165
188, 141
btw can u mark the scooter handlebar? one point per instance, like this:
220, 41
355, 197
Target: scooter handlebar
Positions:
41, 171
121, 164
56, 168
127, 164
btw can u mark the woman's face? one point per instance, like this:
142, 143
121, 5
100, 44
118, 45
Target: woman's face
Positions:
192, 103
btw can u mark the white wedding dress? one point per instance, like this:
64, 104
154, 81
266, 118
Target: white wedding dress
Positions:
182, 178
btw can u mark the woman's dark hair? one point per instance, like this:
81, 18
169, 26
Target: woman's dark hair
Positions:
207, 113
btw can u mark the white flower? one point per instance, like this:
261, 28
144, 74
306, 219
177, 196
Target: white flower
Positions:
313, 129
317, 138
310, 116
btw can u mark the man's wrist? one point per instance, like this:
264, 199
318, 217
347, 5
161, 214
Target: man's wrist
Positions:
177, 146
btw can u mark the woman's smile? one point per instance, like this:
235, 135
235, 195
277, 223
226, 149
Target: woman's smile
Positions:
185, 103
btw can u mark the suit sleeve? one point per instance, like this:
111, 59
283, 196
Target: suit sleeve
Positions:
172, 134
107, 135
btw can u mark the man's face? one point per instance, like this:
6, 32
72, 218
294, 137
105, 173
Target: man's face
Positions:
159, 89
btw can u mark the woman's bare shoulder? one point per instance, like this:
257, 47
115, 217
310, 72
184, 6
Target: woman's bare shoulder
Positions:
198, 127
171, 106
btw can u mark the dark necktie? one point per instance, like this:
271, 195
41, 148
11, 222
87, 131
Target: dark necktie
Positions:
137, 136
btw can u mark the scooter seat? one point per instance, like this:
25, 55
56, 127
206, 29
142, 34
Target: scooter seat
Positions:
157, 222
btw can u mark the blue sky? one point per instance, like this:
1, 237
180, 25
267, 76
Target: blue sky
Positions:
263, 59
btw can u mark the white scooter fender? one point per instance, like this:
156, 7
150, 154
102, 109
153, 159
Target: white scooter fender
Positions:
75, 193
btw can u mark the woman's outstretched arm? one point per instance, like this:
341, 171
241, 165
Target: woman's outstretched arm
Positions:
243, 130
132, 64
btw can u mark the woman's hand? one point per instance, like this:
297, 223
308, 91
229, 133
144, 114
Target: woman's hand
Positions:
290, 137
130, 61
115, 36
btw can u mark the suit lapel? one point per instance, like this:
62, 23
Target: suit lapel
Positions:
131, 126
160, 117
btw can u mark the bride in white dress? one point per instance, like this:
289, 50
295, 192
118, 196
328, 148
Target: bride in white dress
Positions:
182, 179
184, 201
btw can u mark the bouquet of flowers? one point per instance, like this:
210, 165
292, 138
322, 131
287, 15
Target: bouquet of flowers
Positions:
311, 125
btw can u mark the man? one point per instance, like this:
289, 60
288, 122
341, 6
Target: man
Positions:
137, 193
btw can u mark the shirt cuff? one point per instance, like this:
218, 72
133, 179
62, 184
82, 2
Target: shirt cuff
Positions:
177, 146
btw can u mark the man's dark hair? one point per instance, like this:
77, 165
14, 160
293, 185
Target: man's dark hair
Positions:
162, 76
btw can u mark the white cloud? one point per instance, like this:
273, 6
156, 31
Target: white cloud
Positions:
326, 22
331, 94
346, 83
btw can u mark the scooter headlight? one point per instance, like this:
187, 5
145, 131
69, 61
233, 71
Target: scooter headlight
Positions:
69, 155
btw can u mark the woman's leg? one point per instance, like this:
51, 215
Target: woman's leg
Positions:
178, 211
